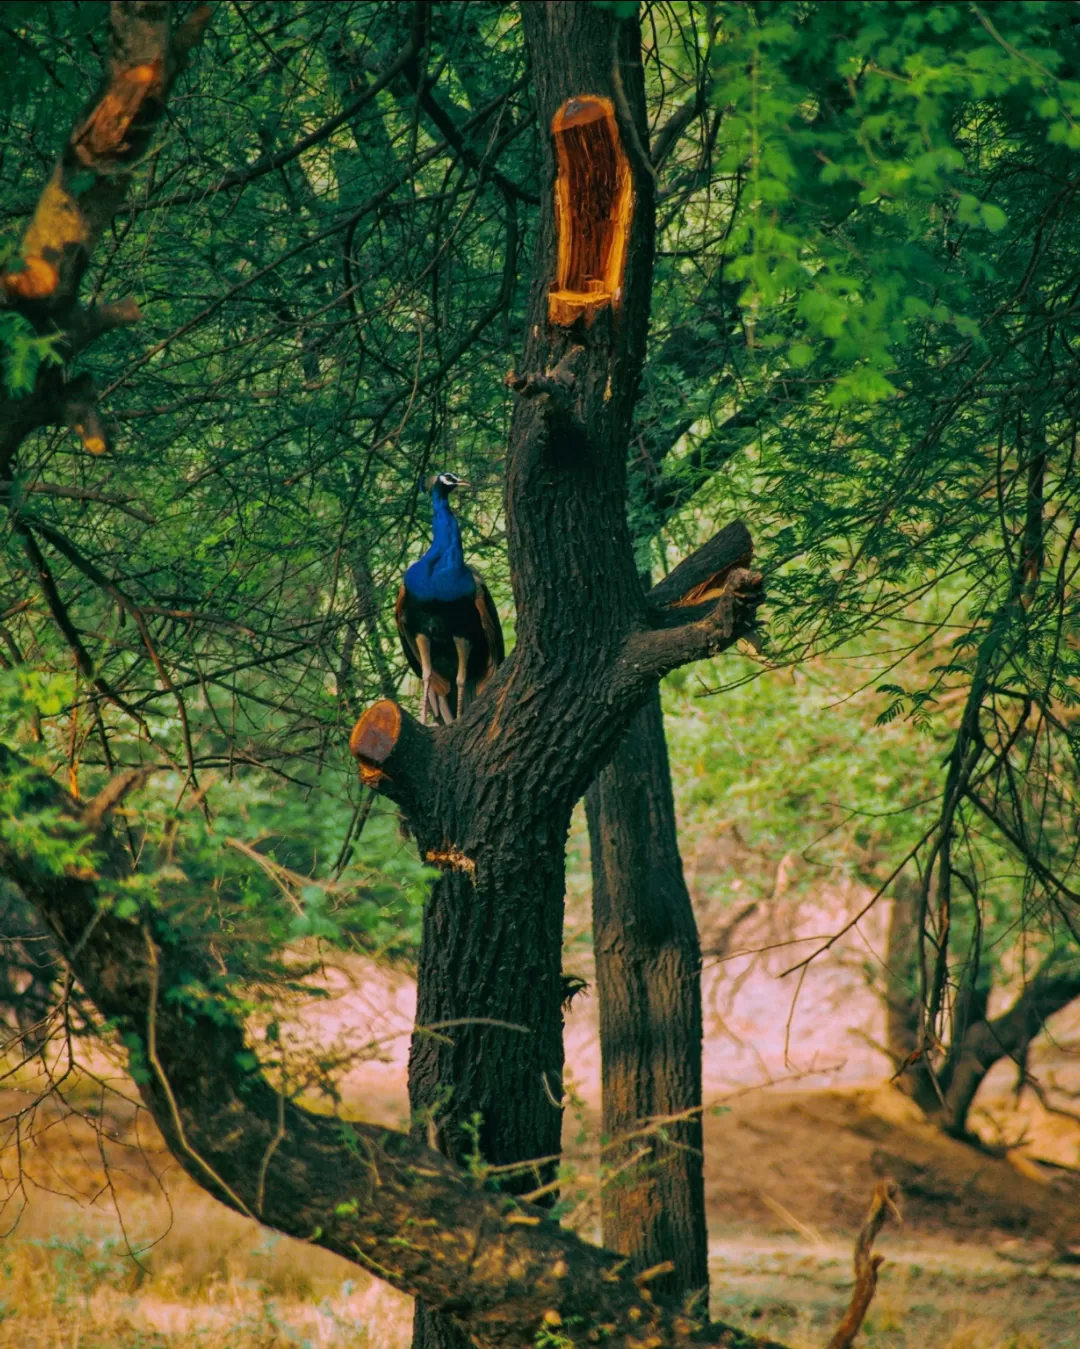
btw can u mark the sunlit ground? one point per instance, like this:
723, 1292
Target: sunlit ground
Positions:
789, 1170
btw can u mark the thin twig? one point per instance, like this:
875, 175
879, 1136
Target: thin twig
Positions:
260, 1190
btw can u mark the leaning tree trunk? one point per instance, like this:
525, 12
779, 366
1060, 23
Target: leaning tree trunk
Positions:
984, 1041
947, 1092
648, 976
489, 799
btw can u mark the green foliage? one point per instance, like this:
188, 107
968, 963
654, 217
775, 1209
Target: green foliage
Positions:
49, 54
792, 763
622, 9
23, 352
863, 341
866, 138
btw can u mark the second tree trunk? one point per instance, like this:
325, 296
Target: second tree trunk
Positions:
648, 974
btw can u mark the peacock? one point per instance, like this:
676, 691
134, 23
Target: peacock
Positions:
447, 621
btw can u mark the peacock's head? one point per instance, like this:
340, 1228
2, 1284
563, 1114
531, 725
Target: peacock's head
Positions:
444, 483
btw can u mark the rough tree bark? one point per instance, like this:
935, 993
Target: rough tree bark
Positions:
648, 977
489, 799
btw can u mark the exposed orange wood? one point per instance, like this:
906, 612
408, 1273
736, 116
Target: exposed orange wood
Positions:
451, 859
92, 443
34, 280
709, 589
373, 739
103, 132
594, 207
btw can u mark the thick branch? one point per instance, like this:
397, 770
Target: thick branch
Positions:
87, 186
665, 139
500, 1267
92, 175
395, 755
96, 320
78, 409
694, 632
703, 572
985, 1042
122, 503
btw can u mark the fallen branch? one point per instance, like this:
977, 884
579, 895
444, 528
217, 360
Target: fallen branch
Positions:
867, 1263
502, 1268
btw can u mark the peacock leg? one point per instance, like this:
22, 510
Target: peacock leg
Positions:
423, 645
464, 646
444, 709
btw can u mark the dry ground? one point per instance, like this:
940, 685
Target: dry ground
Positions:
789, 1169
788, 1175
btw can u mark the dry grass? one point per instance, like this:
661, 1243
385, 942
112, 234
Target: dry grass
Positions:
213, 1280
217, 1281
957, 1299
202, 1276
181, 1269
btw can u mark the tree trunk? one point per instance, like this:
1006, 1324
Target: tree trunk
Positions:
648, 975
978, 1041
983, 1042
913, 1076
491, 951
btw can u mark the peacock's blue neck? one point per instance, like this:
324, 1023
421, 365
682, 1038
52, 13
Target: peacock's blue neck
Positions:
441, 574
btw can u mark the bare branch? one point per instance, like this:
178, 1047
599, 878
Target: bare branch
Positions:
64, 622
665, 139
696, 632
454, 134
271, 163
867, 1264
121, 503
110, 796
